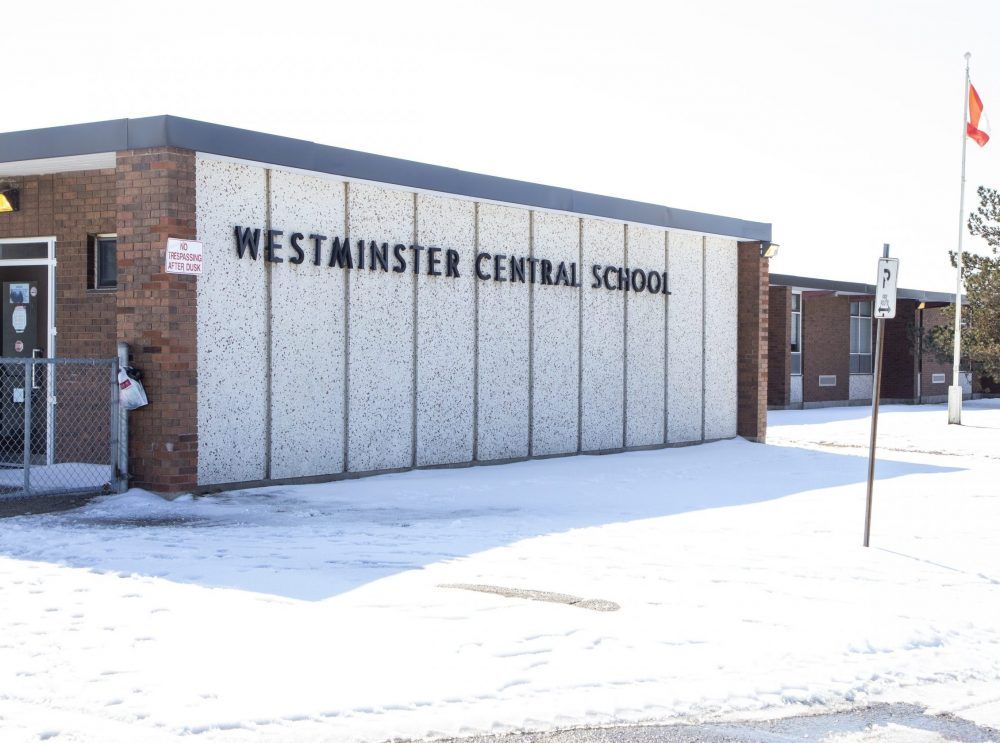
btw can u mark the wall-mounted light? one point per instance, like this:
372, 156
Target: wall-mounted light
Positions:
768, 249
10, 200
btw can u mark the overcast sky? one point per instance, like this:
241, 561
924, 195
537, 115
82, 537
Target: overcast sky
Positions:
838, 122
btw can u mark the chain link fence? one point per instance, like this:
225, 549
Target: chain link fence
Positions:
59, 426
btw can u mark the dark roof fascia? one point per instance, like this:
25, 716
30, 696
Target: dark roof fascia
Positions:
64, 141
243, 144
849, 287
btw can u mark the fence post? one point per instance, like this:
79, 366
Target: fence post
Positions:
122, 416
28, 380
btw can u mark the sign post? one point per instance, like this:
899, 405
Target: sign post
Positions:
883, 308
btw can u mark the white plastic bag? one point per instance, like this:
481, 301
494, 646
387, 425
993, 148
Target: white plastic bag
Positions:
131, 394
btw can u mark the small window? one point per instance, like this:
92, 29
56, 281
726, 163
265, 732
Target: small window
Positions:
937, 378
861, 337
102, 262
796, 339
827, 380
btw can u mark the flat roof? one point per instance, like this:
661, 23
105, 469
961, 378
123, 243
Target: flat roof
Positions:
849, 287
171, 131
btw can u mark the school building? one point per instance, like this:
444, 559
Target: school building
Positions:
821, 340
327, 313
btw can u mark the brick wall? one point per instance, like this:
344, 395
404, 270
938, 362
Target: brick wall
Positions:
899, 361
826, 346
751, 342
931, 365
779, 338
157, 313
71, 206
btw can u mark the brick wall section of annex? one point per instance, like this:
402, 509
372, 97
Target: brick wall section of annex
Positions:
752, 342
899, 362
933, 317
71, 206
826, 346
157, 314
779, 338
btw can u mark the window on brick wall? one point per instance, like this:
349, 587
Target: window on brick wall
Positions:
796, 333
861, 337
102, 262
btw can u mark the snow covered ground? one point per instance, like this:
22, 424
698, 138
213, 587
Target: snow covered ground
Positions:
318, 613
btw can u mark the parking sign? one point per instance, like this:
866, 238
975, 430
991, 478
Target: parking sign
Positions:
885, 288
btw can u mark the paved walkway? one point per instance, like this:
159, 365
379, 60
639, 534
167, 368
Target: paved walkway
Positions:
880, 722
28, 505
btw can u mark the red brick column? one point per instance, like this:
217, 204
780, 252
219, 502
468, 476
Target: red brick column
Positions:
779, 346
157, 314
751, 342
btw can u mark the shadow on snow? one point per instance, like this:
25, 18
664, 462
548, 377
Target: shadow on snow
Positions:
316, 541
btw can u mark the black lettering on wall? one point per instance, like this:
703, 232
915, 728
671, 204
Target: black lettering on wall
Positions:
562, 275
317, 244
340, 254
416, 257
378, 255
433, 261
607, 278
273, 245
247, 240
397, 253
451, 262
499, 267
546, 272
655, 282
517, 269
300, 254
479, 267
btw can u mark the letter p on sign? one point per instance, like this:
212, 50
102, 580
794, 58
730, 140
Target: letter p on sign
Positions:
885, 288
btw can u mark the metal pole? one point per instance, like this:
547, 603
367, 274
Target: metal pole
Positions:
955, 391
115, 423
123, 474
28, 379
876, 394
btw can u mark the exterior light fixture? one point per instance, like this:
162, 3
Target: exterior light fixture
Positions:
10, 200
768, 249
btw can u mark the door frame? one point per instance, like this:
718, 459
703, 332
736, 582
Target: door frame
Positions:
50, 332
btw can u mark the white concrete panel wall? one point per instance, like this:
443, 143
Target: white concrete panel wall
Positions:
446, 339
380, 334
307, 330
232, 317
555, 338
503, 340
439, 369
860, 386
795, 394
684, 338
720, 338
645, 317
602, 340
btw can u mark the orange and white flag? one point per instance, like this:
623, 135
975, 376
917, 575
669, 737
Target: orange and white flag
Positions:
978, 126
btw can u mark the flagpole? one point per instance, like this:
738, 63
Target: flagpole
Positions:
955, 391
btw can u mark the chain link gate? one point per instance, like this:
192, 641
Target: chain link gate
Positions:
59, 426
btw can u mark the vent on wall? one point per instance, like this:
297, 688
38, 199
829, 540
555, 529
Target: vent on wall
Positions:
937, 378
827, 380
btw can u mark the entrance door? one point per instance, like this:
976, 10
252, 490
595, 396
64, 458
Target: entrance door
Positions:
24, 334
